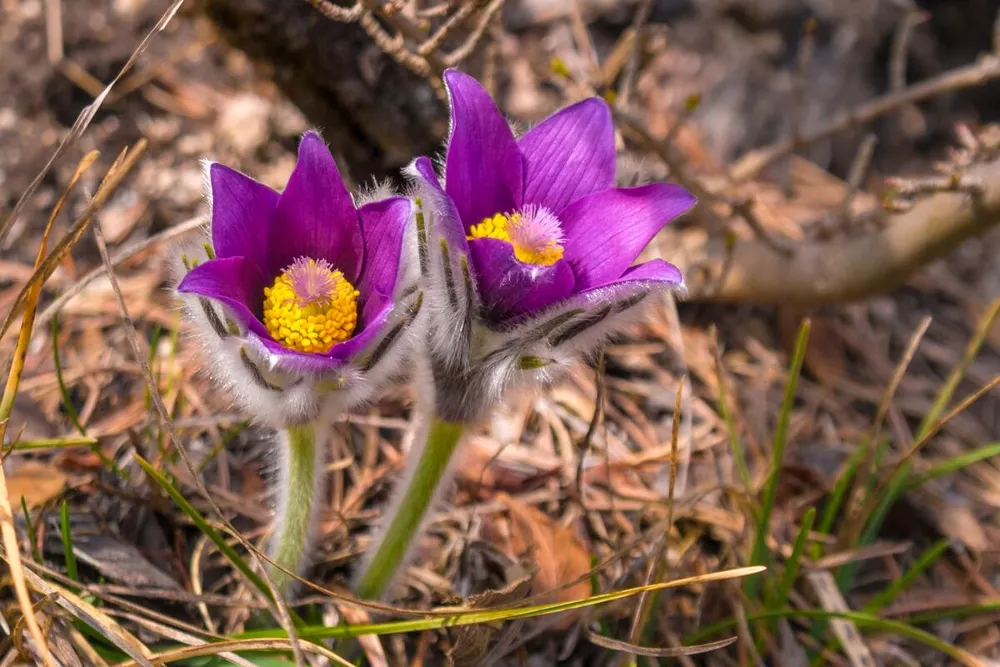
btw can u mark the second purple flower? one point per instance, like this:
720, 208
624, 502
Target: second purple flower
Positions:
539, 216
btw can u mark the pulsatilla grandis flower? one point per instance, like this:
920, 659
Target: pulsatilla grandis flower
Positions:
307, 285
527, 249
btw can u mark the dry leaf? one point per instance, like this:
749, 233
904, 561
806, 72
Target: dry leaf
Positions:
37, 482
470, 642
556, 551
826, 353
484, 466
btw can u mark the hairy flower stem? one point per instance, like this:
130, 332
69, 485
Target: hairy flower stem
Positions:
417, 494
301, 483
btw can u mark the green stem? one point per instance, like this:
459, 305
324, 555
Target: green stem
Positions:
418, 492
302, 474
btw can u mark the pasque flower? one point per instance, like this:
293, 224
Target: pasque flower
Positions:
532, 232
525, 257
299, 301
306, 282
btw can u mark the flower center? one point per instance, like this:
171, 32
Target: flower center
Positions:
310, 306
534, 232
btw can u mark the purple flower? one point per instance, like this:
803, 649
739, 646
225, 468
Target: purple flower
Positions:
539, 217
306, 274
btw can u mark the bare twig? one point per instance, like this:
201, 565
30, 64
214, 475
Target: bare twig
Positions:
985, 69
854, 523
436, 40
901, 48
915, 187
583, 448
691, 104
615, 61
744, 209
670, 157
9, 534
53, 30
485, 17
337, 13
632, 65
996, 34
659, 563
841, 269
831, 599
107, 187
804, 58
434, 11
584, 44
393, 46
83, 120
859, 168
120, 257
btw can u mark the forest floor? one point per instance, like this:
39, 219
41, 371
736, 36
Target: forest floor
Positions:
899, 561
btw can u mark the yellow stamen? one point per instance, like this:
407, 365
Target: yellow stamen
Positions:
544, 252
310, 307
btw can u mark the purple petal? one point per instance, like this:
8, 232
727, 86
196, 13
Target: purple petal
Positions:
447, 221
373, 306
294, 361
339, 355
647, 277
236, 282
242, 210
607, 230
483, 173
383, 224
653, 274
508, 287
376, 316
569, 155
315, 216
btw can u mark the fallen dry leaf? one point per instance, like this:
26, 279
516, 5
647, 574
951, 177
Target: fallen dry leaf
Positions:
470, 642
37, 482
826, 352
557, 551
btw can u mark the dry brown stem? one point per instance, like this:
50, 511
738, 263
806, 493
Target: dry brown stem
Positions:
974, 74
841, 269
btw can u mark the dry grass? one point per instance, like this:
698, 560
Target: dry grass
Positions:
866, 483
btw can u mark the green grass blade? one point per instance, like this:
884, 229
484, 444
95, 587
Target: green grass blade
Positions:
759, 553
54, 443
958, 373
67, 401
860, 619
475, 616
70, 409
792, 567
227, 438
65, 531
837, 496
595, 589
962, 611
887, 596
735, 446
894, 489
32, 531
955, 464
924, 561
205, 528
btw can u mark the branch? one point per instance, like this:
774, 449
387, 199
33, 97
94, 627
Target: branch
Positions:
374, 113
842, 269
975, 74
